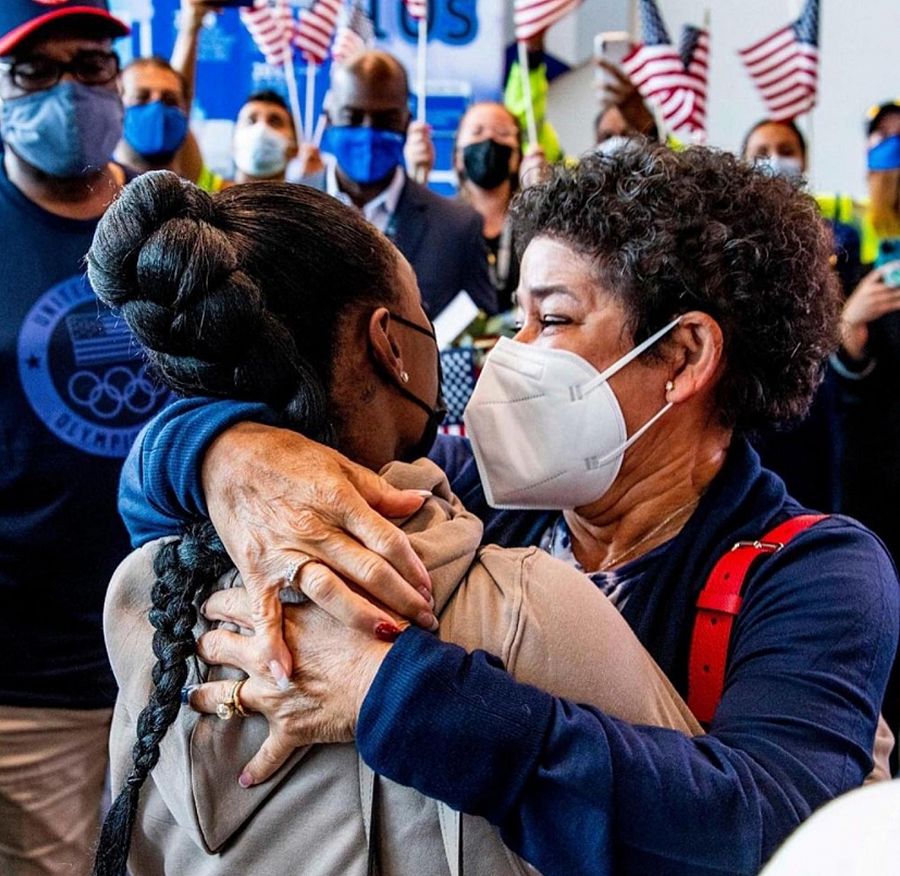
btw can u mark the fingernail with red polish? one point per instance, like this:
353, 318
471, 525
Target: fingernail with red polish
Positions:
386, 632
282, 682
245, 780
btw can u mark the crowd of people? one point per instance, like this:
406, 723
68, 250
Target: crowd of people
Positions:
641, 619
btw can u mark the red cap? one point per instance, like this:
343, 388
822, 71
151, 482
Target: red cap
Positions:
19, 19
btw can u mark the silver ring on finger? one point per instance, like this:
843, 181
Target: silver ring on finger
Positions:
292, 592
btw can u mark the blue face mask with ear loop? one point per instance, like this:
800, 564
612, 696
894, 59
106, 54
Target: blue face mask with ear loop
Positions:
155, 130
366, 155
66, 131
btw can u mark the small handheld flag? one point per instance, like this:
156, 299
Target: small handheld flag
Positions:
785, 65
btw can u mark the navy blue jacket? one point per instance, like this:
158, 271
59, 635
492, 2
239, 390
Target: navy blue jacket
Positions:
443, 241
572, 789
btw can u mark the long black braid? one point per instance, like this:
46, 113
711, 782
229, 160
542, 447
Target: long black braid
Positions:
185, 570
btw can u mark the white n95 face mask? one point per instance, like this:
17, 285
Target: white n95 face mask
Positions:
546, 428
260, 151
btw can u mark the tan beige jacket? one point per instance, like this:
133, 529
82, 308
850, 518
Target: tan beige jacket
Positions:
548, 623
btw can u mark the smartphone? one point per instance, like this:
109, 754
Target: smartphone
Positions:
889, 259
612, 46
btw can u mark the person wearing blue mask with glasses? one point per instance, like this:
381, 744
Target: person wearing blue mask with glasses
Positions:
368, 115
73, 397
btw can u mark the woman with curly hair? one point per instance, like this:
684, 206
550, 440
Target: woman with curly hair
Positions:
672, 303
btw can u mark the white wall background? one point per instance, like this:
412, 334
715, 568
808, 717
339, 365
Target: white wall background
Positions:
859, 66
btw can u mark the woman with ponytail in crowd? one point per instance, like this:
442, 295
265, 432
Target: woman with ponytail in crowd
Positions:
318, 317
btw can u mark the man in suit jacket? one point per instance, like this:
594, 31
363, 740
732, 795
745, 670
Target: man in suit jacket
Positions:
367, 112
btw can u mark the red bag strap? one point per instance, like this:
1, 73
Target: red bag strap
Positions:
718, 604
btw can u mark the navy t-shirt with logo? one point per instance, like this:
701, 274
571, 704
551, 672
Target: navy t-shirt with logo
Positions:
74, 395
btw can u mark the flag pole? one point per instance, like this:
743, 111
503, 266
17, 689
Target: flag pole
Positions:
290, 75
421, 60
311, 69
526, 89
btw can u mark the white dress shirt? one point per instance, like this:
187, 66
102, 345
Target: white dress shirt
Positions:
381, 208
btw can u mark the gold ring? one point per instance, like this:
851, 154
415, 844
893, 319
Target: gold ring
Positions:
234, 699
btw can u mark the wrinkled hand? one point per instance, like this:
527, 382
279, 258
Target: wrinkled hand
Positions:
419, 150
616, 89
870, 300
335, 669
309, 159
276, 497
534, 167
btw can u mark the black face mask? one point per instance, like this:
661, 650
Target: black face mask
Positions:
437, 413
487, 163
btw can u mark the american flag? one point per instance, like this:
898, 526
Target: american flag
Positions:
417, 9
100, 340
271, 26
785, 65
672, 79
355, 32
458, 364
316, 29
532, 17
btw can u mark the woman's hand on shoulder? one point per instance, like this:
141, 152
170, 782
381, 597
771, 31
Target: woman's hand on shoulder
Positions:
335, 667
286, 507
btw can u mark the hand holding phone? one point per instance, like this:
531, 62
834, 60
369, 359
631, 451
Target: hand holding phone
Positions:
888, 260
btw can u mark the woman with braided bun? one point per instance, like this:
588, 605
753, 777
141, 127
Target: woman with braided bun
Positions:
280, 295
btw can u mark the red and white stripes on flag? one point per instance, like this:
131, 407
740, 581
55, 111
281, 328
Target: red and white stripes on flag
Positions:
532, 17
785, 65
315, 30
417, 9
355, 32
673, 80
271, 27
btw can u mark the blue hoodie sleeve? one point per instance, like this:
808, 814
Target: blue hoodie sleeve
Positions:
811, 652
160, 486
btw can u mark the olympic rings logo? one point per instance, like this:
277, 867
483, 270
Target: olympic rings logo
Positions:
119, 388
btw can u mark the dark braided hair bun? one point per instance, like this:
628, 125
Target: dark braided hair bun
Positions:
238, 295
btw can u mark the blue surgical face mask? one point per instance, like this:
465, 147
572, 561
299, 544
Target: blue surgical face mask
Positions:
885, 155
366, 155
155, 130
66, 131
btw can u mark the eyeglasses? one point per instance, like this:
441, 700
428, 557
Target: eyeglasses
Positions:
39, 73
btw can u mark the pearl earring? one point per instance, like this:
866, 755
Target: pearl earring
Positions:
404, 377
669, 386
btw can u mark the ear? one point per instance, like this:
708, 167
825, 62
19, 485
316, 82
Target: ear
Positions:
697, 356
385, 348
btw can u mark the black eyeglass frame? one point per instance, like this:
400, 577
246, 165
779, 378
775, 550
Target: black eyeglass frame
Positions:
55, 70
